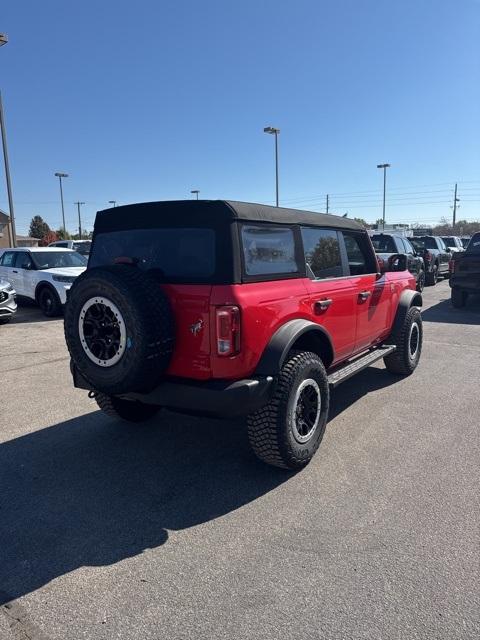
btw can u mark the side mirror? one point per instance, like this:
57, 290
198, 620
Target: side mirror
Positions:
26, 265
397, 262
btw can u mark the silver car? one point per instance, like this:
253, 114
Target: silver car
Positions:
8, 304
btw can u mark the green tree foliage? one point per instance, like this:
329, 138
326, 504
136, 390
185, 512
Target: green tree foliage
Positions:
38, 227
62, 234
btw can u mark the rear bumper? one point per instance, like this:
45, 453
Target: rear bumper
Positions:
8, 304
215, 398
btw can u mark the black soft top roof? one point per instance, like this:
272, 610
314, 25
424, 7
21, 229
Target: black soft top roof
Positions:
152, 214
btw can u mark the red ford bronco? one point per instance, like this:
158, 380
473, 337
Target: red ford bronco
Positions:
226, 309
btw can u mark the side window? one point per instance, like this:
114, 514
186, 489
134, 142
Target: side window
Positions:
268, 250
408, 246
23, 260
322, 252
358, 255
8, 259
441, 244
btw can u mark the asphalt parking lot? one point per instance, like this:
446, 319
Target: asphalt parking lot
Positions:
173, 530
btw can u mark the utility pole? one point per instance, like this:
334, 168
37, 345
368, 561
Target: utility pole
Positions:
61, 175
79, 219
274, 131
195, 192
328, 197
384, 167
11, 226
455, 200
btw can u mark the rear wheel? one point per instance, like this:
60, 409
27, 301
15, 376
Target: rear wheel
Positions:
421, 281
408, 342
459, 298
288, 430
432, 276
49, 302
128, 410
5, 319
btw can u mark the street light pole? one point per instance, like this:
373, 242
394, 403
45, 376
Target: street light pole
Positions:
274, 131
79, 219
11, 228
114, 202
60, 176
195, 191
384, 167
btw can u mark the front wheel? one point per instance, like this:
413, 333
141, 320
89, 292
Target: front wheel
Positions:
128, 410
288, 430
49, 302
408, 342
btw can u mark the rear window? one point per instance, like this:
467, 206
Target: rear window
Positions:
173, 254
450, 242
82, 247
474, 245
424, 243
268, 250
384, 244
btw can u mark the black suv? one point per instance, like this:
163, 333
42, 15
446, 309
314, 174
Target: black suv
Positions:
387, 244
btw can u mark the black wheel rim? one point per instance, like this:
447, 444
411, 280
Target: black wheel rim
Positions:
306, 410
414, 340
102, 331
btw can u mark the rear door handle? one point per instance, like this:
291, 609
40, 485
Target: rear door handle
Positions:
14, 271
364, 295
322, 305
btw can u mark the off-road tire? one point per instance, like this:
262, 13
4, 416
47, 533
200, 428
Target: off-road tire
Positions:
5, 319
402, 361
148, 322
421, 281
431, 277
271, 430
459, 298
128, 410
49, 302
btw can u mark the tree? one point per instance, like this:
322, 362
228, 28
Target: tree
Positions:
38, 227
63, 234
49, 237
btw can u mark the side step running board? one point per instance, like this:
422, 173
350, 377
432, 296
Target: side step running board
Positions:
349, 369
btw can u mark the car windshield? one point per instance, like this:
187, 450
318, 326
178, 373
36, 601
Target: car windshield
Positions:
450, 242
58, 259
424, 242
384, 244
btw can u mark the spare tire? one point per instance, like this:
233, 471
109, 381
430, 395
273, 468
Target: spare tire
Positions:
119, 329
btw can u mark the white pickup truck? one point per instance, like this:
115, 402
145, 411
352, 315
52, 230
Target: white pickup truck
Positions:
42, 274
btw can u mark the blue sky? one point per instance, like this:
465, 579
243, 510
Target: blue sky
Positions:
147, 100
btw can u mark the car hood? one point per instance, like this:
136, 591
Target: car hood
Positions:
65, 271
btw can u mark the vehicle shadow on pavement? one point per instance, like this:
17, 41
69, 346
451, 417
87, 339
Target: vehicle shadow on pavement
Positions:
444, 312
350, 391
92, 491
29, 312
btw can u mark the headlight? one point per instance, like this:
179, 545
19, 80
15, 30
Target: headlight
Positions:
68, 279
9, 287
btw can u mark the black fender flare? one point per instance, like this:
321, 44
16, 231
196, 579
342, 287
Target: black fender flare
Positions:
408, 299
282, 341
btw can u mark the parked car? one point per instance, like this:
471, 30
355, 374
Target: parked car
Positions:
8, 304
435, 256
465, 278
387, 244
454, 243
82, 246
43, 274
229, 308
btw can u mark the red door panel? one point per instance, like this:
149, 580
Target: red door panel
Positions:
373, 301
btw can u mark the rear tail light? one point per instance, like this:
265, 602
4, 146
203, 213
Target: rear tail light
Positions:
228, 330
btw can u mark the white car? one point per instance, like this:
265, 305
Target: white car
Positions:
82, 246
8, 304
43, 274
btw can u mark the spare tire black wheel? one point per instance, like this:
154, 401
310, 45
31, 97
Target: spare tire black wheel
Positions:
119, 329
